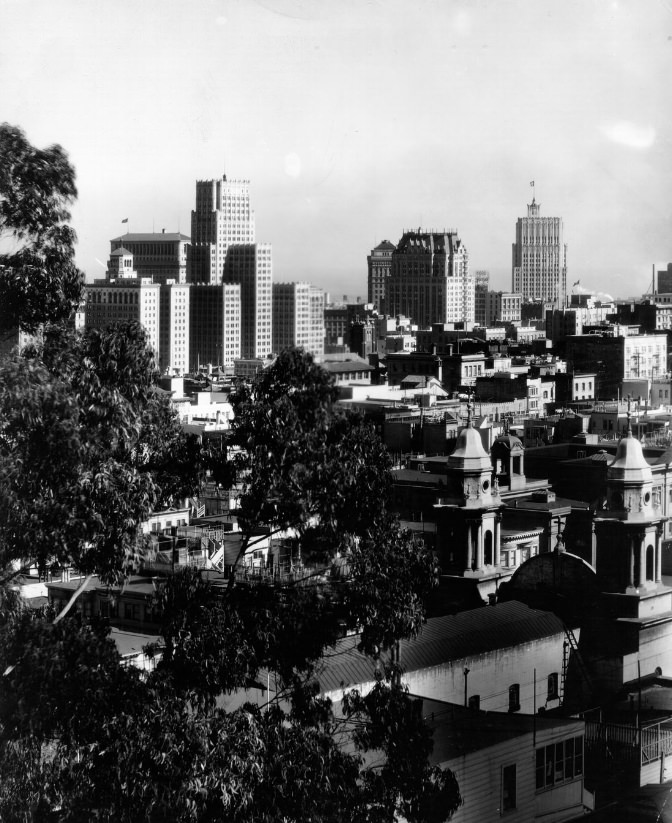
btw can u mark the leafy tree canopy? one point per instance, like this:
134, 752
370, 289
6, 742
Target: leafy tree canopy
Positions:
88, 449
39, 281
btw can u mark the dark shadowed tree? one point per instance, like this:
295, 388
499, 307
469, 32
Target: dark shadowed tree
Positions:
39, 281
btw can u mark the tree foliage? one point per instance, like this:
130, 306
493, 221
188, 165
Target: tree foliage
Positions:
88, 450
39, 281
85, 451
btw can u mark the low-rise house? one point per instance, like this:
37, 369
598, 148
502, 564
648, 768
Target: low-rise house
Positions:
510, 766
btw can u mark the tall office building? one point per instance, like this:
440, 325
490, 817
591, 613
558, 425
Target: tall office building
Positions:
664, 284
222, 218
162, 308
128, 298
250, 265
174, 311
481, 288
430, 280
379, 266
298, 317
539, 269
159, 255
214, 330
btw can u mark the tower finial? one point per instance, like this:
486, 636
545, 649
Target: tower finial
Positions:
628, 430
470, 409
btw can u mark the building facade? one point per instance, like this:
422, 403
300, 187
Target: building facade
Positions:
379, 264
539, 269
174, 325
250, 265
215, 327
298, 317
125, 299
430, 280
614, 359
502, 307
481, 288
159, 255
222, 218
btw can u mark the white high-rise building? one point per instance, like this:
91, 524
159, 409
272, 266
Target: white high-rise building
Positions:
539, 270
250, 265
174, 310
430, 280
298, 317
125, 299
222, 218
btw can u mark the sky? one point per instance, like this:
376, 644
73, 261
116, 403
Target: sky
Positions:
355, 120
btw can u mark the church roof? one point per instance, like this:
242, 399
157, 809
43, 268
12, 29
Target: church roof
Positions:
629, 463
469, 452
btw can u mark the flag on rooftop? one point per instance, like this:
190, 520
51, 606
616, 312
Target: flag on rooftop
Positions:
125, 220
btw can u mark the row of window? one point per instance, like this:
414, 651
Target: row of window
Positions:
555, 764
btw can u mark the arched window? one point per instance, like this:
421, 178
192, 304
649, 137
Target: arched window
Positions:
487, 549
650, 565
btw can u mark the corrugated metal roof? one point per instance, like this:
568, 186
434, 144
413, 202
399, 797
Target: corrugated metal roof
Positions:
443, 639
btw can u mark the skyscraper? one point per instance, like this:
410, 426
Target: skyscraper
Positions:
214, 330
250, 265
430, 280
539, 269
380, 266
481, 288
222, 217
298, 317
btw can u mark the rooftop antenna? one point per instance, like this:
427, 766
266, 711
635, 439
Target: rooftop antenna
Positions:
533, 191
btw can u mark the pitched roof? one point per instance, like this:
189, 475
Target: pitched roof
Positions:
442, 639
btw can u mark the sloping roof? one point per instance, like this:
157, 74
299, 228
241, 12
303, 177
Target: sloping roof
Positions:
346, 366
130, 644
458, 730
120, 252
385, 246
444, 639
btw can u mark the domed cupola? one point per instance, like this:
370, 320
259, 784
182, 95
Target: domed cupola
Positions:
629, 478
471, 466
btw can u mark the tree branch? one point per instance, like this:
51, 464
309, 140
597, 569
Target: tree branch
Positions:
74, 597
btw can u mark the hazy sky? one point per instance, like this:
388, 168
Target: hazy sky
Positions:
354, 120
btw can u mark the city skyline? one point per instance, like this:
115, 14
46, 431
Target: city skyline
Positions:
354, 122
